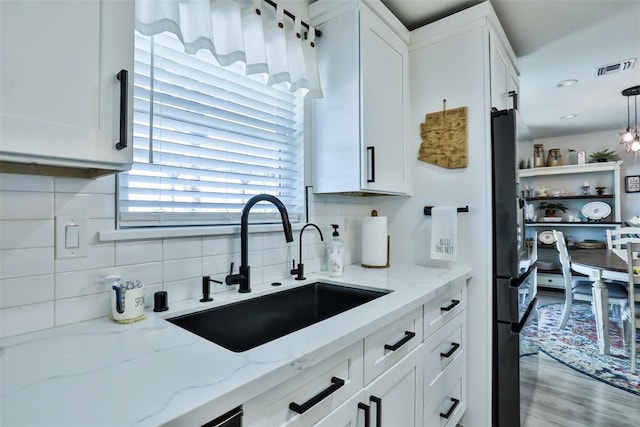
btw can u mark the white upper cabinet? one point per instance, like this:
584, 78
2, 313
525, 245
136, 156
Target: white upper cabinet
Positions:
359, 126
505, 77
65, 104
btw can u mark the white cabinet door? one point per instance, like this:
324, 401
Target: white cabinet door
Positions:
61, 98
395, 397
359, 124
499, 76
349, 414
384, 65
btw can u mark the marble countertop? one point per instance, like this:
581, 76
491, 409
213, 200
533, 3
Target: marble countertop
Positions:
100, 373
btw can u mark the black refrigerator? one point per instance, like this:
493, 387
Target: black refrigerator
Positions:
514, 278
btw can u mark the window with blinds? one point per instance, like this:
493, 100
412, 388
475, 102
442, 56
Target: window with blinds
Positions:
207, 138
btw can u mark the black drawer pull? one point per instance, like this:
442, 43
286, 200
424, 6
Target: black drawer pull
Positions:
454, 302
367, 413
124, 108
378, 403
336, 383
407, 336
454, 347
456, 402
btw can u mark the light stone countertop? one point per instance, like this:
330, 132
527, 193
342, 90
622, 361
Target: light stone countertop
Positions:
100, 373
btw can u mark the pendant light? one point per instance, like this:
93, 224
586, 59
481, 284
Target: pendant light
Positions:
630, 137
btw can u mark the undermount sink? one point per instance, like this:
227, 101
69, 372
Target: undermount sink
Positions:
247, 324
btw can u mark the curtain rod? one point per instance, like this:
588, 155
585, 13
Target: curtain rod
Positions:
292, 16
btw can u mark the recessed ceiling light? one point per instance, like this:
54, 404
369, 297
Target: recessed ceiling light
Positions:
566, 83
569, 116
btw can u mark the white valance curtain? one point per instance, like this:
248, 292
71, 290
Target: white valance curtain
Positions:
249, 31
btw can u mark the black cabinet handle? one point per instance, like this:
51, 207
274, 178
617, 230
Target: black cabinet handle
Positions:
367, 414
456, 402
123, 76
454, 347
372, 149
407, 336
336, 383
454, 302
378, 403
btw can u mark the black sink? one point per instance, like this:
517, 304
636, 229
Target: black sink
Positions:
247, 324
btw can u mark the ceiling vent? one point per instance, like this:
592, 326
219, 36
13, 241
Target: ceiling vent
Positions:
616, 67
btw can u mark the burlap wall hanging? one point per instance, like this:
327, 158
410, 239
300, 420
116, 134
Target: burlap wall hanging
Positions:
445, 138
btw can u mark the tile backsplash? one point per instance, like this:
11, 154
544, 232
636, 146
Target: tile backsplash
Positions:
40, 291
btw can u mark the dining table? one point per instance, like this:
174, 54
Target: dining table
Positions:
600, 265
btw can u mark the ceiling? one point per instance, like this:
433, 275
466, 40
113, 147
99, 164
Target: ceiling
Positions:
557, 40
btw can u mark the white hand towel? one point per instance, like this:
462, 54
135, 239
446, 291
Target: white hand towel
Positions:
444, 233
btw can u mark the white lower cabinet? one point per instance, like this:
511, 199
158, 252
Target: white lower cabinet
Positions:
445, 359
411, 372
396, 397
309, 396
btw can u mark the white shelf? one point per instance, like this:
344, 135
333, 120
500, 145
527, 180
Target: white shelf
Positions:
570, 169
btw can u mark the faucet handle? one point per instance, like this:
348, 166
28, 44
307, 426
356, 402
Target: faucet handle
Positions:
231, 269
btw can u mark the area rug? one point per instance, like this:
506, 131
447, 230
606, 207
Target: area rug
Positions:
576, 346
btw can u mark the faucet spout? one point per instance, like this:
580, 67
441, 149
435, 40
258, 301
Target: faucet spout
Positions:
243, 278
300, 270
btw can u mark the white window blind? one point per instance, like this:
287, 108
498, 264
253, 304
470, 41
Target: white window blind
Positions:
207, 138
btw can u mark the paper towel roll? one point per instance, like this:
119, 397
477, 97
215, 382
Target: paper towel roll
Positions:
374, 241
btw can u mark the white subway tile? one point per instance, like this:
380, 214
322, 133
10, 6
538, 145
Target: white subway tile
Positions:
219, 264
128, 253
78, 309
278, 256
218, 245
106, 185
26, 205
26, 318
182, 248
19, 182
18, 234
82, 282
98, 256
26, 290
148, 273
26, 262
89, 205
187, 268
187, 289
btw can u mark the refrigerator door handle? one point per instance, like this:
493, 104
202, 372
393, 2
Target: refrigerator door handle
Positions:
516, 328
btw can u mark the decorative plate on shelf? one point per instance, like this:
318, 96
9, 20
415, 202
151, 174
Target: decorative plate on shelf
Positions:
596, 210
546, 237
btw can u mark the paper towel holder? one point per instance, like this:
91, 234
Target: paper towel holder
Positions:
427, 210
388, 264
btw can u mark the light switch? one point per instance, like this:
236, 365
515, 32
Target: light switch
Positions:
71, 236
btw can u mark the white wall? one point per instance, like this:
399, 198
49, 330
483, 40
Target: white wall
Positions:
38, 291
591, 142
452, 69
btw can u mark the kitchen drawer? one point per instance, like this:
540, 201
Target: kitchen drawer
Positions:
445, 307
445, 398
272, 408
555, 281
404, 335
444, 347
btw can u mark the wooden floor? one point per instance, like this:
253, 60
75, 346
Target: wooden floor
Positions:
564, 397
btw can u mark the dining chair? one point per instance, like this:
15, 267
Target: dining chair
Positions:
616, 239
581, 289
631, 309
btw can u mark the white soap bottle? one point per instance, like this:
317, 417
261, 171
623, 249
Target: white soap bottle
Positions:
335, 254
